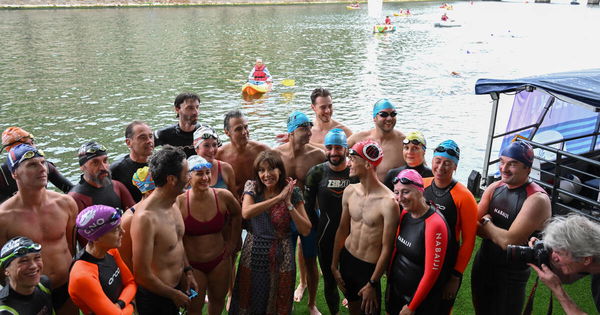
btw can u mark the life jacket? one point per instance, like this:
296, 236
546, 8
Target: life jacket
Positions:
259, 73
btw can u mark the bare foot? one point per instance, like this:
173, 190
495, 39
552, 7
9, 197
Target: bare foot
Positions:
314, 311
299, 292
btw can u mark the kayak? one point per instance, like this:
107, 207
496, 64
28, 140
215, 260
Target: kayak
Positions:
252, 89
402, 14
383, 28
349, 7
446, 24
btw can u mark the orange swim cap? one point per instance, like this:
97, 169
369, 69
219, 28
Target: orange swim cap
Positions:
13, 136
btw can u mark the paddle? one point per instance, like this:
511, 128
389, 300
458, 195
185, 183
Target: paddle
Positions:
288, 82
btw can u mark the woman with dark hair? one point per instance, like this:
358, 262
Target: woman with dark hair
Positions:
212, 218
267, 270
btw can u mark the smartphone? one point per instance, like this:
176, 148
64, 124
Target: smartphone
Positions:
193, 294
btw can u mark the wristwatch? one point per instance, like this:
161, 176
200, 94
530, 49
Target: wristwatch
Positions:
373, 283
290, 207
485, 220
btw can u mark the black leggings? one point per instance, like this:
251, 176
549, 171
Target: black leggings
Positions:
497, 290
325, 239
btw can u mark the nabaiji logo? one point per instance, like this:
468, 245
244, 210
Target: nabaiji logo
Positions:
437, 261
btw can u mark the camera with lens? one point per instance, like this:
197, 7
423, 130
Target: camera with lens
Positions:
536, 255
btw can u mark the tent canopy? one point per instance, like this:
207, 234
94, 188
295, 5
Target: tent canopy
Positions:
583, 85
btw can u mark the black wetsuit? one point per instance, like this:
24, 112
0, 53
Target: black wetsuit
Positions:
326, 186
423, 170
419, 268
176, 137
8, 185
39, 302
114, 195
498, 286
123, 170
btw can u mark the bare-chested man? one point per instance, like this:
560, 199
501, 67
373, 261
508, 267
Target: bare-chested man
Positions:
44, 216
322, 105
390, 139
160, 266
364, 239
298, 157
241, 151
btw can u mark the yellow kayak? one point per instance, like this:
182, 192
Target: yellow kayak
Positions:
349, 7
401, 14
252, 89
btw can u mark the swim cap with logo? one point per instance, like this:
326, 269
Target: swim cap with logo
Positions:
95, 221
90, 150
368, 150
21, 153
336, 136
203, 133
17, 247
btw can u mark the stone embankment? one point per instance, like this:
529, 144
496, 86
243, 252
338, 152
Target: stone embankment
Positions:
135, 3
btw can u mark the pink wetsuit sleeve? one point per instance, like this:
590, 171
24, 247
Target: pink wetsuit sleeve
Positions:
436, 243
466, 226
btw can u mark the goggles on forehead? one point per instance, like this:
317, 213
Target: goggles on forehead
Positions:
413, 141
92, 149
406, 181
452, 152
28, 155
20, 251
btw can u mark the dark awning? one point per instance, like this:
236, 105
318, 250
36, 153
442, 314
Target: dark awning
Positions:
583, 86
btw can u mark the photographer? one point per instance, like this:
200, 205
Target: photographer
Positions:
575, 245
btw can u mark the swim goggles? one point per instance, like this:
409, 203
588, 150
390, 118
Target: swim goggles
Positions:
413, 141
305, 124
92, 148
20, 251
386, 114
455, 153
405, 181
28, 155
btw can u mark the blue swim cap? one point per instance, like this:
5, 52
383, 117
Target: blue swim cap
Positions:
20, 154
520, 151
382, 104
336, 136
297, 119
448, 149
196, 163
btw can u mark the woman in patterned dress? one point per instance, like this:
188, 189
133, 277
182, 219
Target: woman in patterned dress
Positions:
267, 270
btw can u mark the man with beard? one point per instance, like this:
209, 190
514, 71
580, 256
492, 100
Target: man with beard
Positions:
384, 117
44, 216
181, 134
95, 186
161, 268
240, 152
364, 239
509, 212
140, 141
298, 157
325, 184
322, 105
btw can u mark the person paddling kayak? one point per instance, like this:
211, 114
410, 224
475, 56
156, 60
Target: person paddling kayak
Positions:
260, 73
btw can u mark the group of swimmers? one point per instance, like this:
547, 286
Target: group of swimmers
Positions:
363, 205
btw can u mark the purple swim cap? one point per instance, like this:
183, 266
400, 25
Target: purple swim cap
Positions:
94, 221
520, 151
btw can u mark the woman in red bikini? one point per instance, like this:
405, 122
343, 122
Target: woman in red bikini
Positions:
212, 218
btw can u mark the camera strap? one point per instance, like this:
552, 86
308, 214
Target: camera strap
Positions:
529, 306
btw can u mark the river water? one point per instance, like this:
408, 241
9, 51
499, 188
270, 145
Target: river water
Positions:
70, 76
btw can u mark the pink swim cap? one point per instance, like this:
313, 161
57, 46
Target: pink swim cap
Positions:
410, 177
